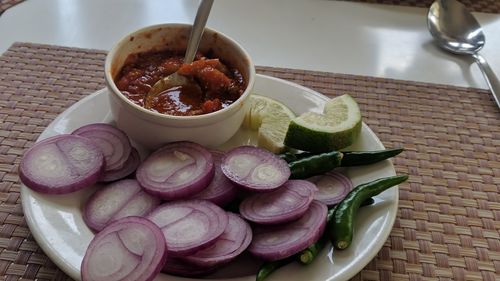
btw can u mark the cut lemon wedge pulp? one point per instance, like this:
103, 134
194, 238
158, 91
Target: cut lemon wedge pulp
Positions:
271, 118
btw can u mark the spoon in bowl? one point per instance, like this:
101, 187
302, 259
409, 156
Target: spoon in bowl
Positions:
456, 30
175, 79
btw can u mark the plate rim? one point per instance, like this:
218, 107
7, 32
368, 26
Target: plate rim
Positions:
62, 265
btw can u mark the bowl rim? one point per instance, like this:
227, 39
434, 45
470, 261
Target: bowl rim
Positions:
115, 91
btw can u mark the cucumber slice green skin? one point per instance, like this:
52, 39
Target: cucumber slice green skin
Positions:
306, 139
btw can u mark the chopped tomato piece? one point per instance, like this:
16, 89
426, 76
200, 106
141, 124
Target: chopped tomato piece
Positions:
195, 67
211, 105
213, 80
171, 65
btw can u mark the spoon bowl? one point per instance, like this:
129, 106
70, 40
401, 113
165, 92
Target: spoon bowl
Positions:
456, 30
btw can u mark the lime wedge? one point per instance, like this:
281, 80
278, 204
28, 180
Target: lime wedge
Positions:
271, 118
338, 127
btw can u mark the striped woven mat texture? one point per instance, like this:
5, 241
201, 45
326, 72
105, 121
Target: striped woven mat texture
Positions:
448, 222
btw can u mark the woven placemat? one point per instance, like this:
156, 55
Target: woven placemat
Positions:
484, 6
448, 223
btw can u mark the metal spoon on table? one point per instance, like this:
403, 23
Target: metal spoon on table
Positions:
175, 79
456, 30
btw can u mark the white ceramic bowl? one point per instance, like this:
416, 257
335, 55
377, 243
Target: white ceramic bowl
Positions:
153, 129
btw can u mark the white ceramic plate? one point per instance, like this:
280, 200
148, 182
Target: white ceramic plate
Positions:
57, 225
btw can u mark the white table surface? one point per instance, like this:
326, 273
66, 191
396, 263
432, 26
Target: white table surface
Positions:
334, 36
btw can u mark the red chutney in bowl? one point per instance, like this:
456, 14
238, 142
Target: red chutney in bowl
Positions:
220, 84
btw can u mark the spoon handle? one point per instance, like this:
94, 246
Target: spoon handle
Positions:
197, 30
489, 76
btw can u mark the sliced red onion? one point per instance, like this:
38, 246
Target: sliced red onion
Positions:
221, 190
255, 169
178, 170
128, 168
332, 187
285, 204
176, 266
235, 239
190, 225
279, 242
61, 164
115, 201
130, 249
113, 142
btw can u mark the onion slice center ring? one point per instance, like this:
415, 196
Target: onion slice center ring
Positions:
132, 248
332, 187
221, 190
177, 170
255, 169
279, 242
235, 239
61, 164
189, 225
282, 205
113, 142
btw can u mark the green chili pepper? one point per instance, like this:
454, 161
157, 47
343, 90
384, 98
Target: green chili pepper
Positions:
368, 202
308, 255
292, 157
315, 165
288, 156
305, 256
341, 227
359, 158
269, 267
331, 211
350, 158
306, 164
